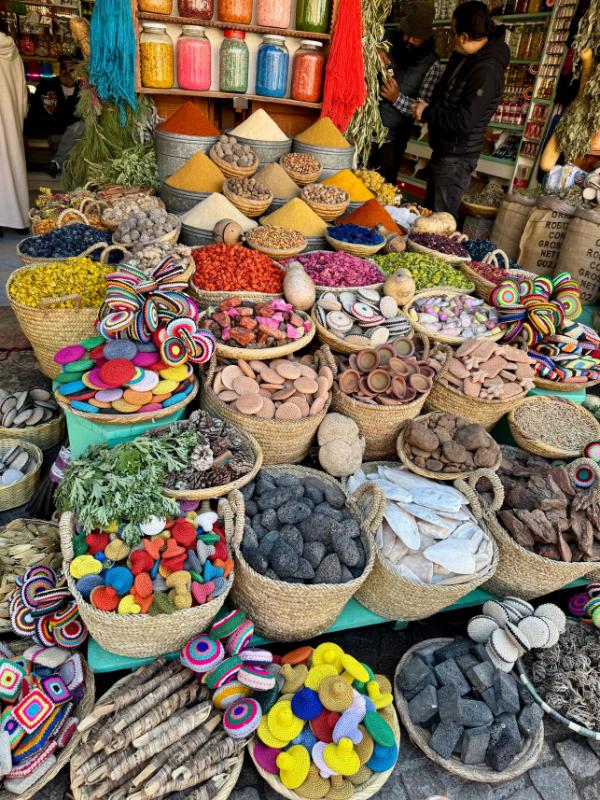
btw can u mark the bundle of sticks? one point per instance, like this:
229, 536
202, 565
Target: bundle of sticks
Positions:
154, 735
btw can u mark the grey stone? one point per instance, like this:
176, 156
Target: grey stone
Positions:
297, 493
314, 494
507, 693
267, 543
269, 519
248, 490
525, 794
474, 713
479, 652
481, 676
346, 575
362, 558
489, 697
351, 526
578, 759
449, 705
314, 553
307, 501
329, 511
288, 481
457, 647
293, 512
475, 743
292, 536
329, 570
250, 508
466, 661
423, 709
250, 539
529, 720
415, 673
334, 496
525, 695
448, 674
255, 559
317, 528
304, 570
590, 792
257, 525
505, 742
264, 483
345, 547
284, 560
248, 793
425, 781
445, 738
270, 573
553, 783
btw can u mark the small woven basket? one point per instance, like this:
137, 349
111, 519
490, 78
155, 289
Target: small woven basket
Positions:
231, 171
528, 758
361, 250
483, 287
275, 253
435, 335
414, 247
44, 436
290, 612
558, 386
142, 635
342, 345
300, 178
542, 445
106, 249
328, 212
251, 208
262, 353
478, 210
486, 412
170, 237
388, 594
18, 493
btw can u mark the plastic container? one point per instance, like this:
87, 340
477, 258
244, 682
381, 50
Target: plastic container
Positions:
272, 63
313, 15
199, 9
233, 62
308, 71
157, 57
193, 59
273, 13
239, 11
155, 6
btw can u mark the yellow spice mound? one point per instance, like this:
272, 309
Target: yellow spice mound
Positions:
297, 216
354, 186
323, 134
198, 174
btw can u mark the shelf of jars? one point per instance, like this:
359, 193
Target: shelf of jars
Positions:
216, 95
213, 23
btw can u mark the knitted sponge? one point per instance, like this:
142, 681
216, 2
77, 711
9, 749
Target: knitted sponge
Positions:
380, 699
323, 725
266, 737
294, 765
293, 677
314, 787
342, 757
317, 674
231, 692
328, 653
306, 738
266, 757
202, 654
283, 723
364, 749
242, 718
341, 789
363, 775
379, 729
383, 758
306, 704
335, 693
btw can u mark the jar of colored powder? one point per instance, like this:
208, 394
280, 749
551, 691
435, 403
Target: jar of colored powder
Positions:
200, 9
193, 59
273, 13
233, 62
238, 11
272, 64
156, 56
308, 71
313, 15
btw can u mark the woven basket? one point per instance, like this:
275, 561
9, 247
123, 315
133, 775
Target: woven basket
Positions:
251, 208
290, 612
263, 353
281, 441
414, 247
361, 250
404, 457
128, 419
557, 386
22, 545
44, 436
544, 447
277, 254
485, 412
229, 170
140, 635
327, 212
391, 596
477, 210
528, 758
521, 572
341, 345
483, 287
300, 178
369, 789
435, 335
18, 493
320, 288
170, 237
107, 249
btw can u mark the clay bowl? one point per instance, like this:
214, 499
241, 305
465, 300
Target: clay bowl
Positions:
367, 360
399, 366
420, 383
398, 387
349, 381
386, 352
403, 346
409, 395
364, 388
425, 369
379, 380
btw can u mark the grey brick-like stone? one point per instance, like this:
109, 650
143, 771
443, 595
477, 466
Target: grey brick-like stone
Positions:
475, 743
466, 661
553, 783
507, 693
474, 713
525, 794
449, 674
414, 675
525, 695
425, 782
449, 704
482, 676
529, 720
489, 697
457, 647
445, 738
578, 759
505, 742
423, 708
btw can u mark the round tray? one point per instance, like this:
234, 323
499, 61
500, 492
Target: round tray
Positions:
251, 208
477, 772
167, 238
19, 492
419, 248
362, 250
262, 353
229, 170
440, 337
277, 254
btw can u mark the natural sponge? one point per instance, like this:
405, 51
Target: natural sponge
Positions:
341, 446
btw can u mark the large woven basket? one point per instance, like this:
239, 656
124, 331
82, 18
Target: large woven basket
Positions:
483, 287
558, 386
19, 492
63, 757
419, 736
290, 612
275, 253
479, 210
361, 250
543, 446
369, 789
106, 250
341, 345
281, 441
328, 212
170, 237
140, 635
231, 171
24, 543
210, 299
525, 574
300, 178
435, 335
485, 412
262, 353
415, 247
391, 596
251, 208
44, 436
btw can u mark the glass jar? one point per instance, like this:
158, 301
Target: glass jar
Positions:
308, 71
273, 13
313, 15
233, 62
193, 59
199, 9
156, 56
155, 6
239, 11
534, 6
272, 64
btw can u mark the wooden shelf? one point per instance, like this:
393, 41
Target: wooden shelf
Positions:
501, 126
286, 101
74, 9
540, 15
144, 15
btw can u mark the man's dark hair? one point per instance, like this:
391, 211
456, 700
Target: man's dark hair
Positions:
74, 59
473, 18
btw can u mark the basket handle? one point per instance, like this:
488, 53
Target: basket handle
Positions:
236, 501
458, 237
66, 536
328, 359
49, 301
493, 258
212, 368
92, 202
72, 212
91, 249
469, 488
372, 499
111, 249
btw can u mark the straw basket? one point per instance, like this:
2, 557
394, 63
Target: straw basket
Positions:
142, 635
369, 789
404, 457
107, 249
281, 441
213, 299
128, 419
320, 288
212, 492
415, 247
521, 572
478, 210
290, 612
230, 170
557, 386
19, 492
24, 543
262, 353
251, 208
275, 253
388, 594
361, 250
435, 335
301, 178
380, 425
44, 436
327, 211
486, 412
170, 237
483, 287
341, 345
528, 757
543, 447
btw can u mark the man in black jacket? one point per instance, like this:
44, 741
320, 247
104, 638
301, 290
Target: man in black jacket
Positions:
463, 103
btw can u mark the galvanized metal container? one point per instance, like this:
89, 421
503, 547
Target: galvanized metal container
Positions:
267, 152
333, 159
195, 237
315, 243
354, 206
173, 150
178, 200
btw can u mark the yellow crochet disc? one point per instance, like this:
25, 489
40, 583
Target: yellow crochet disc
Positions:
294, 765
123, 407
335, 693
342, 757
174, 373
165, 387
317, 674
266, 737
328, 653
283, 723
353, 670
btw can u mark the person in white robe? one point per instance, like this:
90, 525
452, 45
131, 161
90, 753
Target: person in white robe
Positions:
14, 194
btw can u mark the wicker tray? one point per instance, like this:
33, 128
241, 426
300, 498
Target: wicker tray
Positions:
557, 386
107, 249
486, 412
528, 758
543, 447
419, 248
262, 353
44, 436
327, 212
229, 170
339, 289
251, 208
18, 493
435, 335
361, 250
341, 345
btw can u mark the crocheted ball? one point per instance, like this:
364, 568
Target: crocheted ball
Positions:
266, 757
306, 738
256, 677
306, 704
268, 699
120, 578
266, 737
383, 758
225, 626
230, 693
317, 674
225, 672
328, 653
242, 718
87, 583
202, 654
301, 655
294, 765
240, 638
256, 655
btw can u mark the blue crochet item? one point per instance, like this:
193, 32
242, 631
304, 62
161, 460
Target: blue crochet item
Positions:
306, 738
221, 585
211, 572
370, 704
154, 570
87, 583
383, 758
193, 562
120, 578
306, 704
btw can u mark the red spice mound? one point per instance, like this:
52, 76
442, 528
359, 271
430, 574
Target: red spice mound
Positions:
234, 268
370, 214
188, 120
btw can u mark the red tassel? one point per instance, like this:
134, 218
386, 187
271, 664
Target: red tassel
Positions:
345, 88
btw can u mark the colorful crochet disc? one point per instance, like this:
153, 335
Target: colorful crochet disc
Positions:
230, 693
202, 654
55, 688
225, 672
12, 675
578, 603
584, 476
33, 710
242, 718
225, 626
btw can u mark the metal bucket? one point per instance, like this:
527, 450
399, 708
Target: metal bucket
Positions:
315, 243
195, 237
267, 152
173, 150
333, 159
178, 200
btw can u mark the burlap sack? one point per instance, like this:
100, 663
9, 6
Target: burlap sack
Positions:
543, 235
508, 227
580, 253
